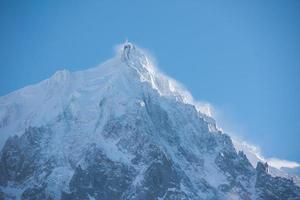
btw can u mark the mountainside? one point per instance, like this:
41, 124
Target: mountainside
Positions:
122, 130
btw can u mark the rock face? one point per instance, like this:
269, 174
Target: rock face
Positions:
122, 131
269, 187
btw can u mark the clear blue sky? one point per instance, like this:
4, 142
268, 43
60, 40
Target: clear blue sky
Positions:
242, 56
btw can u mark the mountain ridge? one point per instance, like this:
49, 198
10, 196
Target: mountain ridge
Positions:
122, 130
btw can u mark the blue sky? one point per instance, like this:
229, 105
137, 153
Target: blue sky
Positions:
242, 57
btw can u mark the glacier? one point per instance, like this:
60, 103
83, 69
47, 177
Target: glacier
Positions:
123, 130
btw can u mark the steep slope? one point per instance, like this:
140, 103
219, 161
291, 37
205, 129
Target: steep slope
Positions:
121, 130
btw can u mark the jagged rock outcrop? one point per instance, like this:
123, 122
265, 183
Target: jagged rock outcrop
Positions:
274, 188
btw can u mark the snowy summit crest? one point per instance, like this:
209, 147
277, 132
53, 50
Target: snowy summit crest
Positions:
134, 56
144, 64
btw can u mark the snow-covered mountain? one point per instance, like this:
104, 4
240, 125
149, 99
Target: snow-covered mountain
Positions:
122, 130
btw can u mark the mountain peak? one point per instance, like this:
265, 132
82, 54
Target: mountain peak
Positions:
135, 57
127, 49
80, 133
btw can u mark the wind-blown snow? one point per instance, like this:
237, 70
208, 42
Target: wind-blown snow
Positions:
254, 155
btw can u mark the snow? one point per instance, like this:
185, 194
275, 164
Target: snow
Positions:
12, 191
79, 105
111, 150
91, 197
59, 180
213, 175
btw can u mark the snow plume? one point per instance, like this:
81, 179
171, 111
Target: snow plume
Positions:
164, 84
254, 154
252, 151
204, 107
176, 87
278, 163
